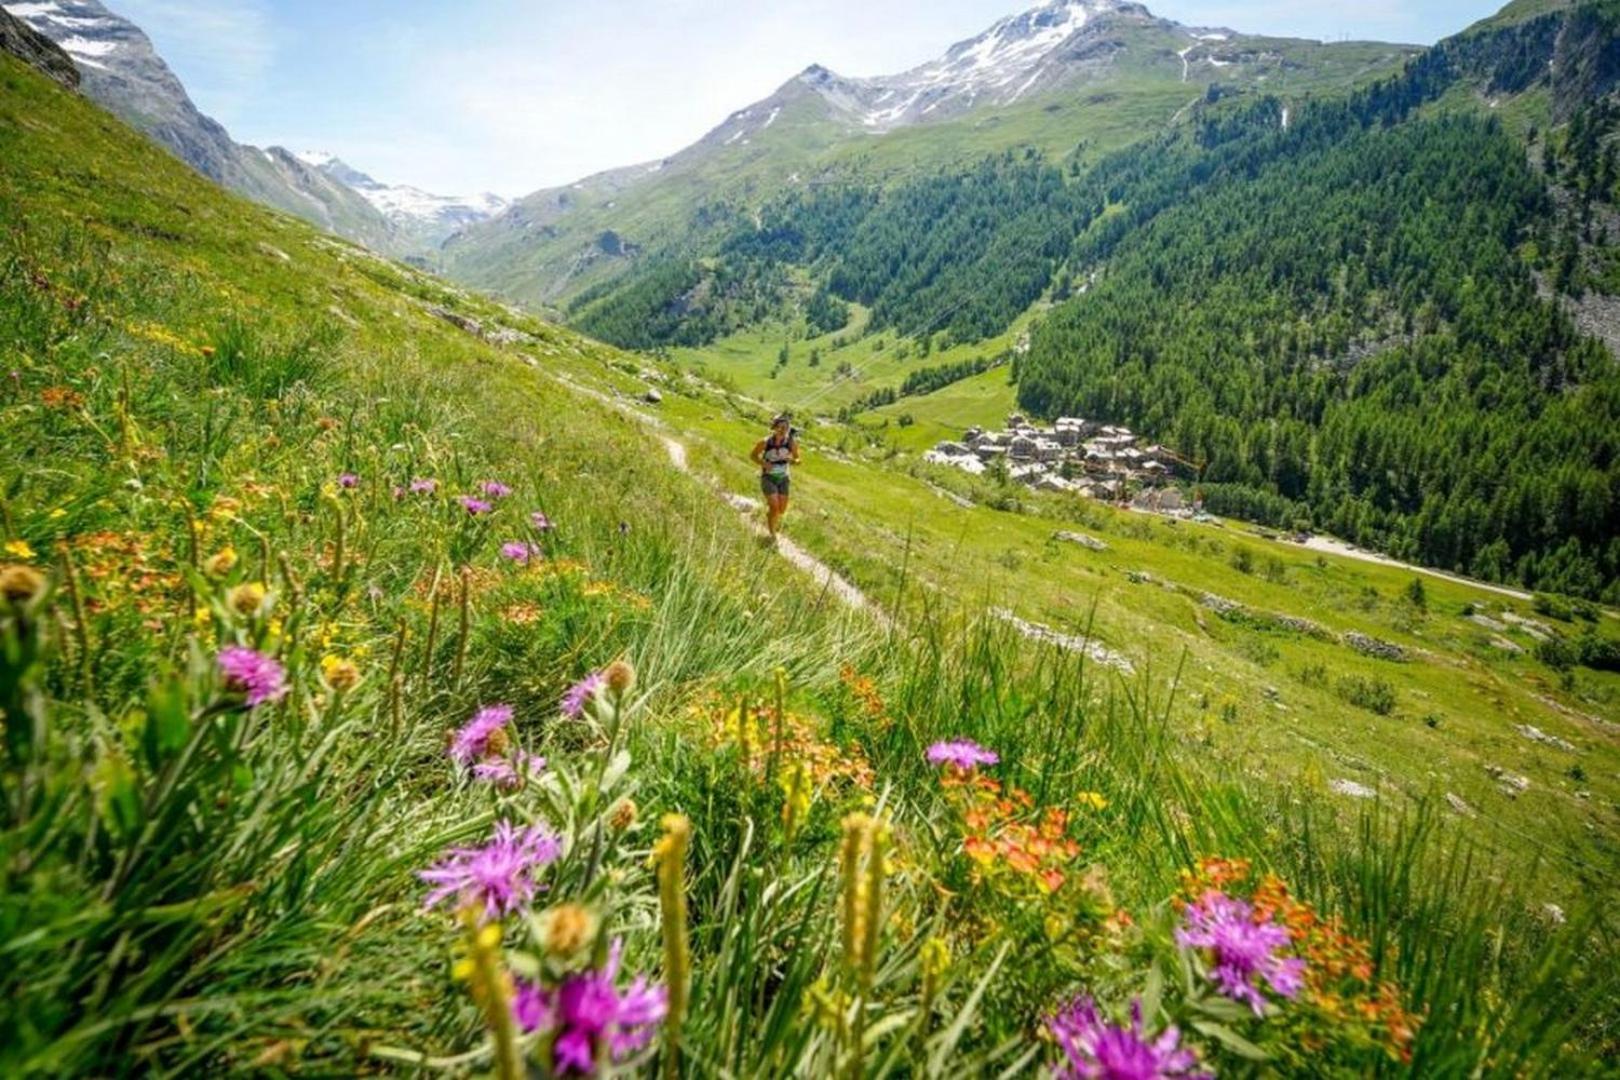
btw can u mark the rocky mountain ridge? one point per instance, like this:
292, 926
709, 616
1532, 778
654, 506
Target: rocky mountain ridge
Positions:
122, 71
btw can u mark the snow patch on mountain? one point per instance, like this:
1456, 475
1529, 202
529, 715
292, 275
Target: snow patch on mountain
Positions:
403, 203
1015, 56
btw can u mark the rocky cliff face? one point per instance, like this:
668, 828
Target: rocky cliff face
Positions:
36, 50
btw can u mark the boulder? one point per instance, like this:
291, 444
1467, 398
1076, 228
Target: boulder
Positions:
1085, 541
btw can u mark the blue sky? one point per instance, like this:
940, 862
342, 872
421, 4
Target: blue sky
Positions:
513, 95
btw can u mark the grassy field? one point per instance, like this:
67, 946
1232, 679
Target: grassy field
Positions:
1198, 604
239, 627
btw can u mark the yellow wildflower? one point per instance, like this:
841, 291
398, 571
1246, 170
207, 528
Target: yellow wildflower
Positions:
19, 549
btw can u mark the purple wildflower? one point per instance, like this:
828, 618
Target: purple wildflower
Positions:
472, 741
1244, 949
495, 489
500, 875
474, 506
540, 521
964, 754
590, 1014
519, 551
348, 480
1094, 1049
505, 773
581, 693
252, 673
424, 486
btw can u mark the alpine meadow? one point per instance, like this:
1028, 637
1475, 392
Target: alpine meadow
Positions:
1190, 648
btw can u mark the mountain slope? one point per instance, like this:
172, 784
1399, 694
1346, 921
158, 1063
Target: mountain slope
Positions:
1089, 73
123, 72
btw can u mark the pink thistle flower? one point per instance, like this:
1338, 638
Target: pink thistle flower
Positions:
495, 489
348, 480
501, 875
472, 741
424, 486
1243, 947
1094, 1049
963, 754
519, 552
505, 773
591, 1017
474, 506
252, 673
581, 693
540, 521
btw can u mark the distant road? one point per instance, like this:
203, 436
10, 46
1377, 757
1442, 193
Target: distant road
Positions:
1339, 547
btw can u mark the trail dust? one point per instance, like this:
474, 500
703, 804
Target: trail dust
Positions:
825, 576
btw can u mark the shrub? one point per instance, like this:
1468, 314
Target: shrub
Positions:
1373, 694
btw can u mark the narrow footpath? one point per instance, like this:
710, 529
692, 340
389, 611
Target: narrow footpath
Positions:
823, 575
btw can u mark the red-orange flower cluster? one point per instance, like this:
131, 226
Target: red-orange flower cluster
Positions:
866, 695
999, 835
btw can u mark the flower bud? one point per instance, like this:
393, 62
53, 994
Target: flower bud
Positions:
620, 677
21, 585
567, 930
245, 599
623, 815
341, 674
497, 743
220, 563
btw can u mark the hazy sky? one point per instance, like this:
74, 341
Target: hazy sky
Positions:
509, 96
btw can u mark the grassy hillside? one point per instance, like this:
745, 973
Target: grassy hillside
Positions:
282, 521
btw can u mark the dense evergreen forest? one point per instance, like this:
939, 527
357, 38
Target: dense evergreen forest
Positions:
1348, 307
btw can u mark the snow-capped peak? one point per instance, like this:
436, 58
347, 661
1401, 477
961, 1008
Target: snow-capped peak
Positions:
315, 159
1017, 55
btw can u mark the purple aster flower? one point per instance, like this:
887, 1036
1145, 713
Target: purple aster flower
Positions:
495, 489
348, 480
540, 521
424, 486
519, 551
1094, 1049
1244, 949
500, 875
590, 1014
580, 694
508, 773
474, 506
252, 673
472, 741
964, 754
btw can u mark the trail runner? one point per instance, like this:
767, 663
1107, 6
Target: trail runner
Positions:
773, 454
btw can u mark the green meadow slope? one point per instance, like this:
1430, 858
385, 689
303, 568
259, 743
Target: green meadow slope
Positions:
220, 426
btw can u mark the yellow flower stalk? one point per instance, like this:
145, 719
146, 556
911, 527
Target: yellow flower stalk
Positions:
670, 855
491, 989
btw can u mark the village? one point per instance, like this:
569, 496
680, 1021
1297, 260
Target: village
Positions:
1075, 455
